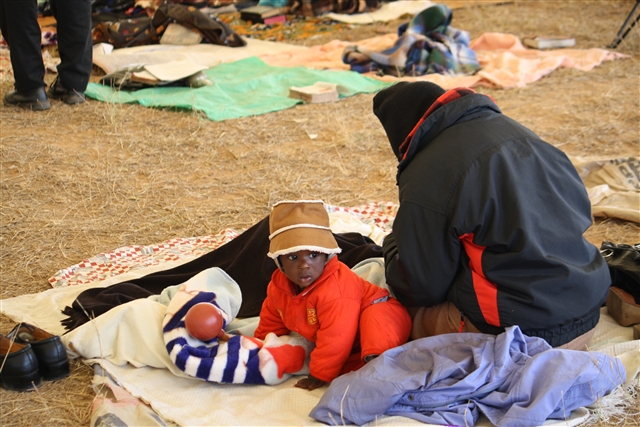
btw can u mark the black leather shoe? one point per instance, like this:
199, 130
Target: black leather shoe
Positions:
20, 370
33, 100
70, 97
51, 354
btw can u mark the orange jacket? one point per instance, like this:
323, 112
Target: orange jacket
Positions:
327, 313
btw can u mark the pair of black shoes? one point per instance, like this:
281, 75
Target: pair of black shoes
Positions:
28, 355
37, 99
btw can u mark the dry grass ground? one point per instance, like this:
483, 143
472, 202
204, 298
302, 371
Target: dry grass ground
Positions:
77, 181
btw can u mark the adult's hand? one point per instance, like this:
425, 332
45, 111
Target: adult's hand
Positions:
389, 248
395, 280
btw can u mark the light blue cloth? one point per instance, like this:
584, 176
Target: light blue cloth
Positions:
513, 379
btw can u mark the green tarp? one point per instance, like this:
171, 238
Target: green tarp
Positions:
248, 87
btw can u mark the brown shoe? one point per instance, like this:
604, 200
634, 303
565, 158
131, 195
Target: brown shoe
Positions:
622, 307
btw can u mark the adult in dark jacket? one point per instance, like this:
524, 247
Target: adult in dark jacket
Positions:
489, 232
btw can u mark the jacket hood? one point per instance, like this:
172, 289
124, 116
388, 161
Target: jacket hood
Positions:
461, 109
401, 106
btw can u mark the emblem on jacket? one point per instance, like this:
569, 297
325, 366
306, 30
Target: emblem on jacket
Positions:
312, 317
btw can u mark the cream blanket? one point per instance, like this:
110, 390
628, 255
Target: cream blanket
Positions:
137, 383
613, 186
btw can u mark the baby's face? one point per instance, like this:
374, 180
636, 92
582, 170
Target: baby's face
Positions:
303, 267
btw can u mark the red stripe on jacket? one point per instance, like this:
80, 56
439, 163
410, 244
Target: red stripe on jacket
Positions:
445, 98
486, 292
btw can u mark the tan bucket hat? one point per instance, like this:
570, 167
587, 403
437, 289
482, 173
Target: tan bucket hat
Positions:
296, 225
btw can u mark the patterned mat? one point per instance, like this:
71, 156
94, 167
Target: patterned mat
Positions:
131, 258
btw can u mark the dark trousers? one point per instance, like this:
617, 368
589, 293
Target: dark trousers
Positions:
19, 25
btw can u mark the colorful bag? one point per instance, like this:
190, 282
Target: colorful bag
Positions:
425, 45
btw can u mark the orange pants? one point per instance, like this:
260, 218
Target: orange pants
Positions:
383, 325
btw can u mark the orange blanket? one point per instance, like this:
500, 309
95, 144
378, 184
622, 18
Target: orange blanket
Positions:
505, 62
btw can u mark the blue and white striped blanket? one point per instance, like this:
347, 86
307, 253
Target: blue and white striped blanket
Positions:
241, 359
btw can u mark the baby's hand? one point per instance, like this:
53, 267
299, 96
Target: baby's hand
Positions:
310, 383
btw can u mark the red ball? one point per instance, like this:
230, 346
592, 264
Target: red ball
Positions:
204, 321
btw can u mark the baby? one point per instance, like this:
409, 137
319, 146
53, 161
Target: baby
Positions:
312, 293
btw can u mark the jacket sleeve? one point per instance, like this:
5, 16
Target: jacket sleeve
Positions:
421, 259
338, 328
396, 282
270, 321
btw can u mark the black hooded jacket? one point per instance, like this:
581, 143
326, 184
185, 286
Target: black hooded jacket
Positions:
492, 218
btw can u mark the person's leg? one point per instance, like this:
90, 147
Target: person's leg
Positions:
445, 319
73, 19
383, 325
579, 343
19, 25
442, 319
21, 31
